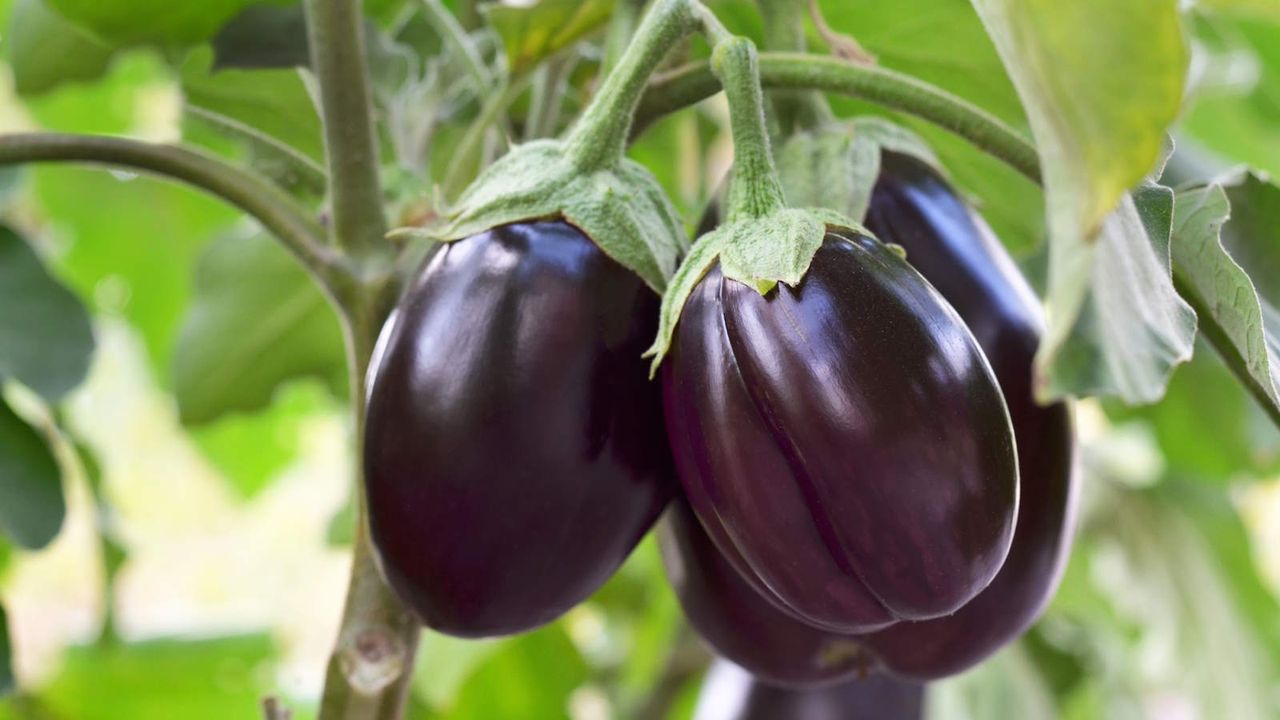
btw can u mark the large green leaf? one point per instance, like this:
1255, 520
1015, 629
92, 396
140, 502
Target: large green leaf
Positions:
1131, 328
162, 680
45, 337
1239, 317
530, 676
7, 683
169, 22
275, 103
1101, 81
533, 32
257, 321
44, 50
31, 502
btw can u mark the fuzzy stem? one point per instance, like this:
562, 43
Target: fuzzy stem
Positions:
600, 137
693, 83
755, 190
336, 32
255, 195
784, 32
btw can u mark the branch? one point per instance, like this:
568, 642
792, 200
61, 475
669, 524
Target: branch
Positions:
692, 83
335, 29
246, 190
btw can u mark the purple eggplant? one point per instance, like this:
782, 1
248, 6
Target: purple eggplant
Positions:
731, 694
844, 442
514, 449
739, 624
954, 249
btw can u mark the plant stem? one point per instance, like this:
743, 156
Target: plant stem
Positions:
784, 32
253, 194
600, 137
336, 32
370, 670
887, 88
755, 190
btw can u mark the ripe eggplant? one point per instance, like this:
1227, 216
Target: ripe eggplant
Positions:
514, 448
843, 441
739, 624
731, 694
954, 249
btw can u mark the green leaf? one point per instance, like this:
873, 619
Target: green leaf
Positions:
7, 682
263, 36
1130, 328
1099, 104
31, 502
46, 340
530, 676
45, 50
257, 320
272, 103
162, 680
252, 448
128, 22
444, 665
1243, 326
534, 32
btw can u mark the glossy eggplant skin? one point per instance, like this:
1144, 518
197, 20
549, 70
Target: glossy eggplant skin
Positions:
738, 623
514, 450
731, 694
915, 208
843, 442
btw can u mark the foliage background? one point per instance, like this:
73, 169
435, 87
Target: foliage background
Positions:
205, 458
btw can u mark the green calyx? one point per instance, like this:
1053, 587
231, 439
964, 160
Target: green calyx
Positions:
835, 164
585, 178
763, 242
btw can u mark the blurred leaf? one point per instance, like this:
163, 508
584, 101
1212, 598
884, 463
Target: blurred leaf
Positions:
1237, 93
342, 526
31, 502
252, 448
1242, 325
444, 665
7, 683
1006, 687
275, 103
44, 50
162, 680
6, 556
257, 321
1100, 132
1262, 8
1131, 327
132, 95
264, 36
531, 676
133, 247
1207, 425
533, 33
166, 22
45, 337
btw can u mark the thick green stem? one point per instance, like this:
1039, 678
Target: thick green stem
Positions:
784, 32
600, 137
755, 190
370, 671
253, 194
336, 32
887, 88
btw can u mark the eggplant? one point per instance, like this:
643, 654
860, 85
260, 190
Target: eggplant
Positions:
731, 694
739, 624
844, 441
912, 206
514, 450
